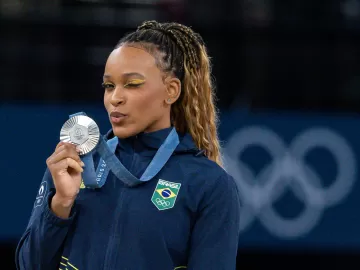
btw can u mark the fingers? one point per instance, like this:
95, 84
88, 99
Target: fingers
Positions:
65, 145
63, 154
63, 151
59, 144
62, 166
74, 164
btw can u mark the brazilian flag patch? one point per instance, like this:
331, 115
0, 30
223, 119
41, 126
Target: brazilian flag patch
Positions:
165, 194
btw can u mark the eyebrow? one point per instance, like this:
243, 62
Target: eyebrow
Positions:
131, 74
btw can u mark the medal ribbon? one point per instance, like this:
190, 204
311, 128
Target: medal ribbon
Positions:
109, 162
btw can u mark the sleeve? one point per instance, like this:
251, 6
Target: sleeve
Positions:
215, 236
40, 246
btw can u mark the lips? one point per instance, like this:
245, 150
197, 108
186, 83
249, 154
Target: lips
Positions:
117, 114
117, 118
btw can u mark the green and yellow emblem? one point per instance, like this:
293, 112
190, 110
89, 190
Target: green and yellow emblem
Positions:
82, 185
165, 194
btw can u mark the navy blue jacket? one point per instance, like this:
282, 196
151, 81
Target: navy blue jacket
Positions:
140, 228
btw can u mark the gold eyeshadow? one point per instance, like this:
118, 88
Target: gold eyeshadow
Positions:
134, 82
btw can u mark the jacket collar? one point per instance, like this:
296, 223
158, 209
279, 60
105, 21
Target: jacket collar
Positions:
153, 140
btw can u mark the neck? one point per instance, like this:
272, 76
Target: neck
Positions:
158, 125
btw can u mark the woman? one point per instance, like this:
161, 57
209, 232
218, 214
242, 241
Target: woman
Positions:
187, 216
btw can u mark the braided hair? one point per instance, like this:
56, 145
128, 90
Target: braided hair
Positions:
181, 52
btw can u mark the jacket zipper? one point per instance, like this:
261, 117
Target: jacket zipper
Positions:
110, 262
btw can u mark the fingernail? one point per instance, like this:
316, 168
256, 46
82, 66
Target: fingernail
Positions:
82, 164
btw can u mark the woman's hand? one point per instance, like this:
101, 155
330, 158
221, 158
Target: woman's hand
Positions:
65, 167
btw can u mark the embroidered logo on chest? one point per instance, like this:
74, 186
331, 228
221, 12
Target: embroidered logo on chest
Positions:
165, 194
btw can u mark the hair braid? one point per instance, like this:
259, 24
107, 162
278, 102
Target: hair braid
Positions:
149, 25
185, 56
199, 108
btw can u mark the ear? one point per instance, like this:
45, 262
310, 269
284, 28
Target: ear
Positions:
173, 89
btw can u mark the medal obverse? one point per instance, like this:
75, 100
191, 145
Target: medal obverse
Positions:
82, 131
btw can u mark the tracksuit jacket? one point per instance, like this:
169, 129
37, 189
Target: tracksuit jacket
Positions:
186, 217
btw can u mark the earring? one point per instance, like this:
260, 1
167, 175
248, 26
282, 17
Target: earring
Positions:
169, 100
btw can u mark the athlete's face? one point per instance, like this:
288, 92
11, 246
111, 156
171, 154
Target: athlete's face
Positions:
136, 95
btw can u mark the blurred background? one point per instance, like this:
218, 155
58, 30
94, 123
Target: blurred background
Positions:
288, 79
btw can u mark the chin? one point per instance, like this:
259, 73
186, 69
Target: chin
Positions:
124, 132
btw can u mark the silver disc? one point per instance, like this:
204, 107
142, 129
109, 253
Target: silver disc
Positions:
81, 130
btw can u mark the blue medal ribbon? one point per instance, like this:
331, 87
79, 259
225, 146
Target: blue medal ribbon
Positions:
109, 162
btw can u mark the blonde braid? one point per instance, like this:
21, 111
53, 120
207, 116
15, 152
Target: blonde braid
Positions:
196, 110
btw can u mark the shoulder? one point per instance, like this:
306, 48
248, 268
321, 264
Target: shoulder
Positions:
217, 179
205, 177
203, 170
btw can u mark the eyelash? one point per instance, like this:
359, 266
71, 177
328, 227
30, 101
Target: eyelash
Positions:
132, 85
128, 85
107, 85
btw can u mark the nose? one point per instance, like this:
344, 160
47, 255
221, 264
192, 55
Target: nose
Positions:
117, 97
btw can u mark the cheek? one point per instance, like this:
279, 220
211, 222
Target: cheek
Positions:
106, 101
150, 101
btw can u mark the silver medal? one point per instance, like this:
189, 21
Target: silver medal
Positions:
81, 130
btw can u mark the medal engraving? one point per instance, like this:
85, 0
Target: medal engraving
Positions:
79, 134
81, 130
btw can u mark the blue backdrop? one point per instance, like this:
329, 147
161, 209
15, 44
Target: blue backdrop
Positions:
298, 177
297, 173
